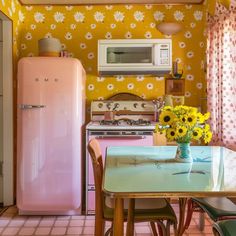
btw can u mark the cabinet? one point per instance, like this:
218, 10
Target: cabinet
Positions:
174, 87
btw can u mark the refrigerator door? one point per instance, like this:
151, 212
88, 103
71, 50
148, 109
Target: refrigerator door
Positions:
49, 121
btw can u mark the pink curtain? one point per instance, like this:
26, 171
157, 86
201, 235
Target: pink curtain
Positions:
221, 76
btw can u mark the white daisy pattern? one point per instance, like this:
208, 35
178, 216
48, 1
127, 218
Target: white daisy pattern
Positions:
148, 6
79, 16
48, 35
140, 78
21, 16
148, 35
188, 6
160, 78
159, 16
93, 26
190, 77
179, 15
28, 36
89, 7
128, 35
120, 78
149, 86
88, 36
138, 15
73, 26
33, 26
69, 8
199, 85
113, 26
188, 35
49, 8
39, 17
190, 54
192, 24
100, 79
108, 35
119, 16
23, 46
128, 7
110, 87
90, 55
59, 17
132, 25
130, 86
68, 36
198, 15
82, 45
109, 7
152, 25
29, 8
99, 16
168, 6
53, 26
187, 94
182, 44
90, 87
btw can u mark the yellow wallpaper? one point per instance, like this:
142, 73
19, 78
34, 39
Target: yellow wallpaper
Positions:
79, 28
12, 9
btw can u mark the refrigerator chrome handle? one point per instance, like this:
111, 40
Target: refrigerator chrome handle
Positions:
28, 106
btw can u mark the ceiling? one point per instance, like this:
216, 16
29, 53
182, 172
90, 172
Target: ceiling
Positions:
85, 2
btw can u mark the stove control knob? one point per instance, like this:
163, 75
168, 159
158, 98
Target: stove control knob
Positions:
135, 105
100, 105
143, 105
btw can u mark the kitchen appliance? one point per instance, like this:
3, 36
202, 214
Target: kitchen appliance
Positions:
134, 56
131, 124
50, 119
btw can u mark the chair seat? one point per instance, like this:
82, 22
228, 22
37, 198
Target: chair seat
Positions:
216, 207
226, 227
146, 209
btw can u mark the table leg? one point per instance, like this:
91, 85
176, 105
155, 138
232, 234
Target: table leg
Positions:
118, 224
182, 208
130, 222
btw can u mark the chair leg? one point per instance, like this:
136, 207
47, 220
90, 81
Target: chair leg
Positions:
153, 226
161, 228
201, 221
99, 226
190, 209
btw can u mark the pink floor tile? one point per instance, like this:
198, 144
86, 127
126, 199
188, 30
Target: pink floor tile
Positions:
74, 230
58, 231
61, 223
88, 230
27, 231
43, 231
10, 231
76, 223
45, 223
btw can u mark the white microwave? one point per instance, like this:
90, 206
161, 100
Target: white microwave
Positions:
134, 56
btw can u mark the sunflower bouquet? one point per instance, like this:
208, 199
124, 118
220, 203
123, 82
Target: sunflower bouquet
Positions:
184, 124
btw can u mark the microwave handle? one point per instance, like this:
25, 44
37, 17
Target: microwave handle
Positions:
155, 54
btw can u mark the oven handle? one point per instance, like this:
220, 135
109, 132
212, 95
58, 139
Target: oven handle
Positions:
121, 136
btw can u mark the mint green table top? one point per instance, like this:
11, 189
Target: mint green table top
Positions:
153, 171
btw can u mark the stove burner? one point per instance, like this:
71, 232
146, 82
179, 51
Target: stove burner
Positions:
139, 122
109, 122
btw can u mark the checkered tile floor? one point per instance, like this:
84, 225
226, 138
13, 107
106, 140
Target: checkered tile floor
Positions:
13, 224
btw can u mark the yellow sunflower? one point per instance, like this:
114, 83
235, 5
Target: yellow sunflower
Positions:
200, 118
191, 119
197, 133
181, 131
207, 115
171, 134
208, 136
166, 118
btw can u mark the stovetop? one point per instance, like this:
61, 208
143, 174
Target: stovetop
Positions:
120, 125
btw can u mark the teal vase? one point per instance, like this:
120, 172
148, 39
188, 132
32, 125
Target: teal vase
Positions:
183, 153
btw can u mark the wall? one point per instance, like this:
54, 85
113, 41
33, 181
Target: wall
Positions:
79, 28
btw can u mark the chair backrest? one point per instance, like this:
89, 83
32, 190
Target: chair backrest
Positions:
96, 157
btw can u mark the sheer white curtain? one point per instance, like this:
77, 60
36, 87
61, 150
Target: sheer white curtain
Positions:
221, 76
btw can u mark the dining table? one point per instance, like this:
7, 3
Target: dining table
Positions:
132, 172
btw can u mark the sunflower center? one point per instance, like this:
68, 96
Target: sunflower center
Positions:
181, 131
166, 118
190, 119
195, 133
172, 133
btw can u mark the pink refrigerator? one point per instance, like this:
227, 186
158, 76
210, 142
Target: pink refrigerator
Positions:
50, 121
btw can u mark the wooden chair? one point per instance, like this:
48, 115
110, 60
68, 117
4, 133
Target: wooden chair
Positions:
224, 228
155, 210
217, 208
